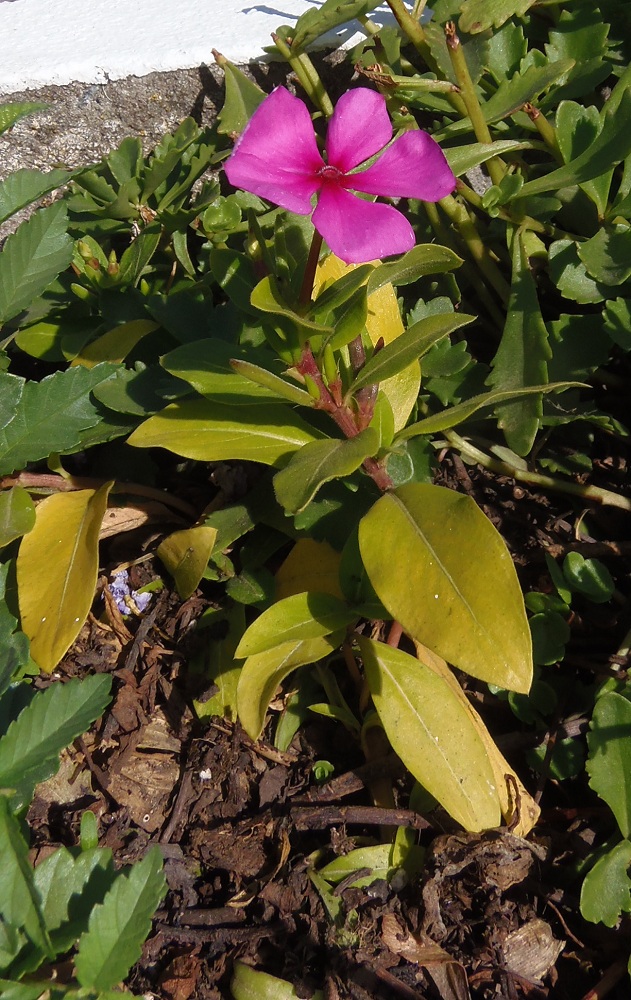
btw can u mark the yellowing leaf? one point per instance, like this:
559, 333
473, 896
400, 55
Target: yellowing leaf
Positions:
262, 673
57, 569
310, 565
512, 794
383, 321
432, 733
302, 616
460, 594
116, 344
185, 554
213, 432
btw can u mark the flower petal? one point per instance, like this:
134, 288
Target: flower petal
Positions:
359, 128
414, 166
276, 155
358, 231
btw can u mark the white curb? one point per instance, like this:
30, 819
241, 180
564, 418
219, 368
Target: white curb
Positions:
45, 42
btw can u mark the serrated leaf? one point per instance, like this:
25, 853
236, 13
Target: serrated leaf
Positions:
606, 891
11, 113
299, 617
607, 255
17, 514
478, 15
32, 258
612, 146
57, 569
11, 390
50, 416
25, 186
250, 984
432, 733
29, 750
19, 899
262, 673
521, 359
185, 554
318, 463
318, 21
521, 88
70, 886
211, 432
120, 924
454, 564
410, 346
609, 760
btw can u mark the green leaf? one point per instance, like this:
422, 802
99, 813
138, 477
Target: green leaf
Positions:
250, 984
433, 734
32, 258
299, 617
119, 926
519, 89
464, 158
478, 15
589, 577
521, 359
335, 293
243, 97
606, 891
262, 673
607, 255
185, 554
267, 380
25, 186
267, 298
609, 761
11, 389
17, 514
50, 416
408, 347
577, 127
219, 664
114, 345
69, 887
211, 432
11, 113
610, 147
318, 463
455, 566
19, 899
319, 20
57, 568
569, 274
423, 259
29, 751
376, 857
208, 366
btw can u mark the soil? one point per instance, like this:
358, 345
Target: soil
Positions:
488, 916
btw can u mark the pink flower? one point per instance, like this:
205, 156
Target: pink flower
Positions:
277, 158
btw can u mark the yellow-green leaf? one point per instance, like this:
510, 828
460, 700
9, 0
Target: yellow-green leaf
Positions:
17, 514
460, 594
250, 984
57, 568
433, 734
263, 672
310, 565
185, 554
213, 432
302, 616
116, 344
320, 462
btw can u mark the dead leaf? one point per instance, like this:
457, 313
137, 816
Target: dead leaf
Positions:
448, 975
532, 950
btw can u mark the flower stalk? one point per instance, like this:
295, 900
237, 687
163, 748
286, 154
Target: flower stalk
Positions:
307, 75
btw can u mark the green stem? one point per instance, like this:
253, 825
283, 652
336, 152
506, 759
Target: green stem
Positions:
496, 167
486, 298
587, 493
480, 253
545, 130
416, 35
307, 75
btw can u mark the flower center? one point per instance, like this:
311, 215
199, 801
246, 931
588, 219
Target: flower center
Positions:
329, 173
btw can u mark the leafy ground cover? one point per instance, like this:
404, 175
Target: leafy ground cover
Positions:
343, 539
